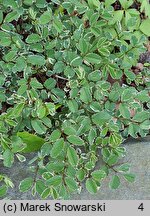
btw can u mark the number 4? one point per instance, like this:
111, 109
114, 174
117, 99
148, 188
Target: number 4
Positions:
141, 207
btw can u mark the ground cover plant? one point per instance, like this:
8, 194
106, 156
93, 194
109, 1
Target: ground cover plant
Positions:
71, 90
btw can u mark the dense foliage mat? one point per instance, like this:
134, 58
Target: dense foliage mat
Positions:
70, 91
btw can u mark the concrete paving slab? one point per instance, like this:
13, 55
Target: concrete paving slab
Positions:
138, 153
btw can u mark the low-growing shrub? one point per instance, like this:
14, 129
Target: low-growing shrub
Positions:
70, 90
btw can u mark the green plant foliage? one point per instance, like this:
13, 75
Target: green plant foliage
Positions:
69, 92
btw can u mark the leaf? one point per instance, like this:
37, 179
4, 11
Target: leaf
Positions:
18, 110
129, 177
104, 51
33, 142
55, 166
109, 2
8, 158
101, 118
59, 67
83, 46
72, 156
95, 76
3, 190
54, 181
124, 167
126, 94
11, 16
124, 110
10, 56
17, 144
92, 58
84, 126
47, 122
115, 140
38, 126
58, 25
50, 83
73, 105
112, 159
26, 184
56, 134
1, 17
45, 17
115, 182
40, 186
33, 38
94, 3
36, 60
141, 116
20, 157
145, 27
5, 39
75, 140
98, 175
57, 148
130, 75
51, 108
91, 186
81, 174
46, 193
133, 129
69, 130
11, 3
71, 183
85, 95
41, 111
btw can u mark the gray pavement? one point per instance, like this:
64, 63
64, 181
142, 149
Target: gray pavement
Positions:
138, 153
